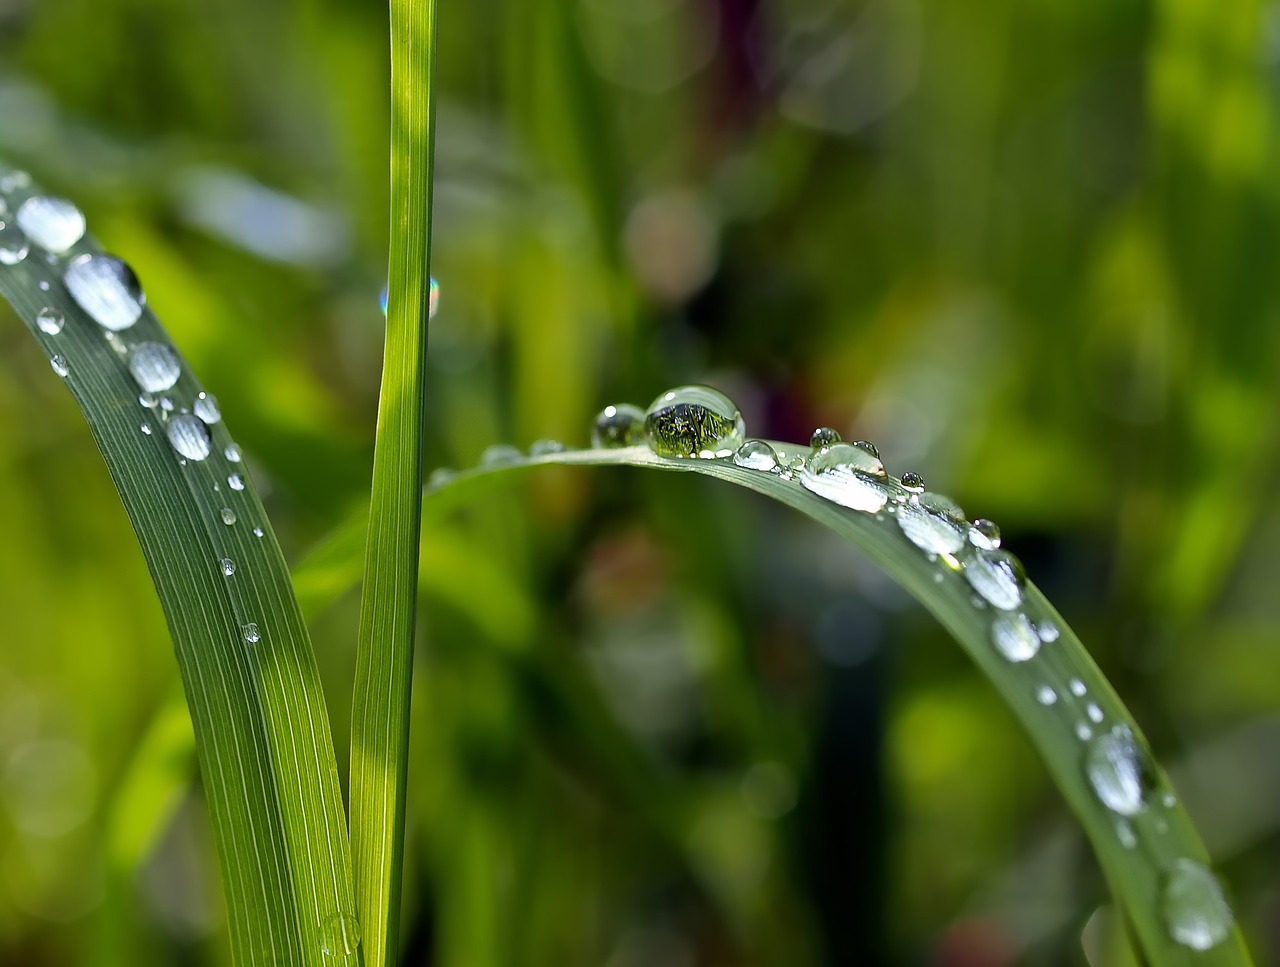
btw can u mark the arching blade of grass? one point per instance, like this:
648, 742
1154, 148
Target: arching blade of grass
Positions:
251, 681
1057, 693
384, 662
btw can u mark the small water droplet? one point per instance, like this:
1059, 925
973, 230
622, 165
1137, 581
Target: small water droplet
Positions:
206, 407
258, 532
50, 321
228, 516
146, 428
1077, 688
544, 448
1195, 909
1083, 732
340, 936
1047, 631
147, 400
499, 454
824, 436
1124, 833
1014, 636
155, 366
870, 447
43, 285
756, 455
933, 523
54, 224
235, 481
912, 482
232, 453
13, 244
997, 576
1169, 800
1094, 712
985, 534
106, 288
1120, 771
847, 474
620, 425
440, 476
1045, 695
695, 422
60, 365
228, 567
14, 180
189, 436
790, 465
251, 633
166, 404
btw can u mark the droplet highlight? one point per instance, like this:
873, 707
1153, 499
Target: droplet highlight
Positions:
696, 422
107, 289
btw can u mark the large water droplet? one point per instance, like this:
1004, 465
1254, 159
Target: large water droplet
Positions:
106, 288
50, 321
206, 407
60, 365
499, 454
13, 243
1014, 636
985, 534
339, 936
933, 523
824, 436
1120, 771
849, 475
997, 576
756, 455
251, 633
155, 366
694, 421
621, 425
189, 436
54, 224
1195, 910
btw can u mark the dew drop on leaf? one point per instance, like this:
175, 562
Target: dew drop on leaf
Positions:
912, 482
997, 576
695, 422
189, 436
13, 243
618, 425
1195, 910
206, 407
849, 475
106, 288
50, 321
933, 523
1014, 636
154, 366
54, 224
1120, 771
985, 534
824, 436
60, 365
756, 455
499, 454
251, 633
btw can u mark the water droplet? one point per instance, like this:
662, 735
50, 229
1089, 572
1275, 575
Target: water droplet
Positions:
870, 447
50, 321
543, 448
912, 482
340, 936
440, 476
106, 288
1124, 833
1169, 800
694, 421
228, 516
166, 404
933, 523
1195, 909
1077, 688
13, 244
790, 465
54, 224
1046, 695
1120, 771
985, 534
251, 633
618, 426
258, 532
189, 436
997, 576
1047, 630
1094, 712
235, 481
146, 428
1014, 636
756, 455
824, 436
14, 180
155, 366
1083, 732
849, 475
499, 454
206, 407
147, 400
232, 453
228, 567
60, 365
43, 285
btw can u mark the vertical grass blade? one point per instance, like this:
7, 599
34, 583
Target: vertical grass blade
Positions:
384, 665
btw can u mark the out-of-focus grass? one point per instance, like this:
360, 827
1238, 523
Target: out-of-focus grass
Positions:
1023, 248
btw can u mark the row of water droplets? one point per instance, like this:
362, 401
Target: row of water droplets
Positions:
701, 423
34, 225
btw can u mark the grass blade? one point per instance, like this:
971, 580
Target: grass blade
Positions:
384, 664
250, 676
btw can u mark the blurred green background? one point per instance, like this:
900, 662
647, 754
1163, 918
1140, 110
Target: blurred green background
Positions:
1029, 248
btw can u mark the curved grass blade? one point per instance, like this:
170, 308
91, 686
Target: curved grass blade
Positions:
384, 661
251, 681
1139, 830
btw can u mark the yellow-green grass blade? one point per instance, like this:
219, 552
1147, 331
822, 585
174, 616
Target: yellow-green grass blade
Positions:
1139, 852
384, 662
251, 682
